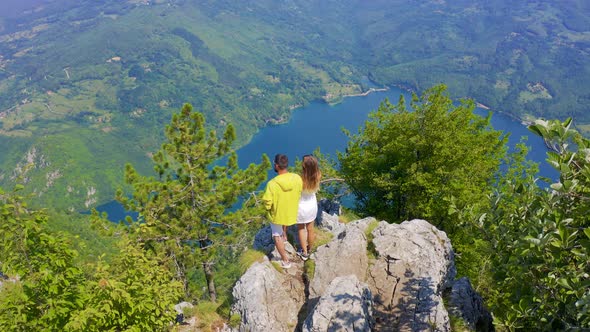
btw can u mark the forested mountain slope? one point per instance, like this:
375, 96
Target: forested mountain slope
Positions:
85, 85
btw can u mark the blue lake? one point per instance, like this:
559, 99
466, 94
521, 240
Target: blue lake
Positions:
320, 125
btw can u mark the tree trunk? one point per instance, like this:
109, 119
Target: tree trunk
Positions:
208, 268
180, 275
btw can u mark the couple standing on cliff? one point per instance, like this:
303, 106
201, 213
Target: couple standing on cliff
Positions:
290, 199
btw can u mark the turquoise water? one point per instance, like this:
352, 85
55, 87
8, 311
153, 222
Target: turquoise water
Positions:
320, 125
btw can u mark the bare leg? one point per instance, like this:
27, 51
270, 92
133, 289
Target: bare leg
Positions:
302, 233
280, 244
285, 234
310, 236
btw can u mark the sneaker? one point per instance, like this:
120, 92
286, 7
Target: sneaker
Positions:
285, 265
303, 256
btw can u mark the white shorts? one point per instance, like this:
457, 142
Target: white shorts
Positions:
276, 229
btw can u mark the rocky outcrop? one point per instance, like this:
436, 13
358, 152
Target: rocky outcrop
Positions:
401, 270
414, 264
345, 306
268, 300
330, 223
345, 255
184, 325
464, 302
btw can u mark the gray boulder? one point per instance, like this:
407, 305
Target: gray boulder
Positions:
330, 223
345, 255
465, 303
345, 306
179, 308
414, 265
267, 300
361, 224
409, 268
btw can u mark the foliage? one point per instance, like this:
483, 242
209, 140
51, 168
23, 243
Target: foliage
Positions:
189, 213
474, 250
209, 320
248, 258
413, 164
309, 268
89, 242
250, 63
321, 237
135, 291
348, 215
371, 251
49, 289
541, 239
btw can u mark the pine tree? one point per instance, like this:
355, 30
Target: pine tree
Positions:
189, 212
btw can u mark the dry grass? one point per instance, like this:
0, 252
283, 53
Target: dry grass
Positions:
321, 237
248, 258
348, 216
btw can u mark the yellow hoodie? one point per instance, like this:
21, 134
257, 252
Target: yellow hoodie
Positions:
281, 198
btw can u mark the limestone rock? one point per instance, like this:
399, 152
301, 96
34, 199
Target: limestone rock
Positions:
414, 265
330, 223
411, 266
346, 306
267, 300
464, 302
346, 254
180, 306
361, 224
274, 254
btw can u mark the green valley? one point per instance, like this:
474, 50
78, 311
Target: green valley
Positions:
144, 103
86, 86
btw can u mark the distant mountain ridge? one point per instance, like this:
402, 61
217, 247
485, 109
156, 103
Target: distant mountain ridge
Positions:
88, 84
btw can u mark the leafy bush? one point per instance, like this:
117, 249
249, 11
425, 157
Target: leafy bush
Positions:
542, 240
413, 164
47, 288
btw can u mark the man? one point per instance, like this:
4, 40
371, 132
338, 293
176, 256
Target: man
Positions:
281, 200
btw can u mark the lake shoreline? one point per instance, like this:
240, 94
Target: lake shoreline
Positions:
319, 124
366, 93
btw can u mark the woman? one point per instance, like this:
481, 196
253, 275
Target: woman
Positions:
308, 204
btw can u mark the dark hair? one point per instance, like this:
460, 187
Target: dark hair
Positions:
282, 161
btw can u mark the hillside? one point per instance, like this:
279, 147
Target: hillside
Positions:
85, 85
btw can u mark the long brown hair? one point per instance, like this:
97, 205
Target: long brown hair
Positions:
310, 174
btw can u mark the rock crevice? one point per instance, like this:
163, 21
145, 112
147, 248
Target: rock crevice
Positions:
391, 279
